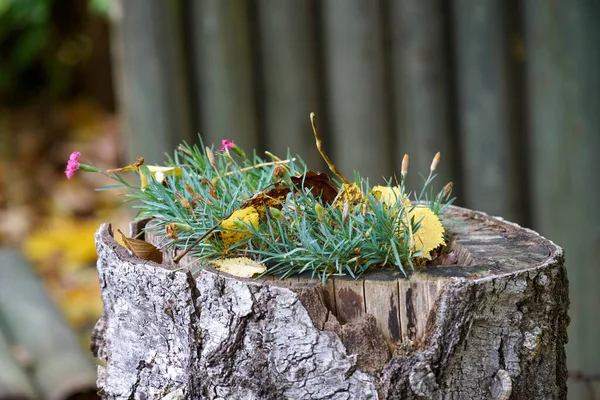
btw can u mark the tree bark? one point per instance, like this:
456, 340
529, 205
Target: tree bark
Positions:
495, 328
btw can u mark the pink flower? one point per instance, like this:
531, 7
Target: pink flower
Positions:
73, 164
227, 144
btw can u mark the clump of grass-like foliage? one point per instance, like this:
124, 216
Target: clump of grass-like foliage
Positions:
222, 204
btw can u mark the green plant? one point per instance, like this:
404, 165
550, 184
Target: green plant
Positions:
224, 204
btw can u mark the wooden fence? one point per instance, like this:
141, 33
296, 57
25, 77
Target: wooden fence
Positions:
507, 90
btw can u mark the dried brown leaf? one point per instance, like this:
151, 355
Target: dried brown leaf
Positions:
142, 249
320, 185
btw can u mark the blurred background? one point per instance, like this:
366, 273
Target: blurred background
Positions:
507, 90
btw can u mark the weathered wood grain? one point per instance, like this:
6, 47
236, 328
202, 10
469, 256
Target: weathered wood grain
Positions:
381, 301
349, 299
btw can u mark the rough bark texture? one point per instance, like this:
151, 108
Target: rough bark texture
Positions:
497, 330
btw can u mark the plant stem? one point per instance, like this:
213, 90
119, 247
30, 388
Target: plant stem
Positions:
322, 152
266, 164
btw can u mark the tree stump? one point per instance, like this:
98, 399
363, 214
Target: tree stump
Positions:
488, 323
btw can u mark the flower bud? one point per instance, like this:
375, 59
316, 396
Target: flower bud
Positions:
345, 212
319, 210
405, 162
275, 213
435, 162
238, 150
171, 231
278, 171
182, 227
139, 162
447, 190
211, 157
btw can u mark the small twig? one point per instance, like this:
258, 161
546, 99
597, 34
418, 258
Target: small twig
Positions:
259, 166
322, 152
190, 247
273, 156
411, 239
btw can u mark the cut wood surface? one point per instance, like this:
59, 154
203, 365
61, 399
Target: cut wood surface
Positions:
489, 322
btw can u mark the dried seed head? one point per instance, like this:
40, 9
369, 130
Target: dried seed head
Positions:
278, 171
405, 162
345, 212
190, 189
184, 202
139, 162
211, 157
435, 162
447, 190
171, 231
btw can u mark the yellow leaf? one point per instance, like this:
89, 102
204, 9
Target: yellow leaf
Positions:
232, 232
350, 194
430, 234
240, 266
159, 173
389, 195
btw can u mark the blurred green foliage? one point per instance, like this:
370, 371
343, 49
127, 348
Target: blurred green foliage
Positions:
38, 51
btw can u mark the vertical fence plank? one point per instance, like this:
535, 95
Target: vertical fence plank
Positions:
562, 44
490, 173
290, 76
224, 72
151, 77
420, 82
356, 88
